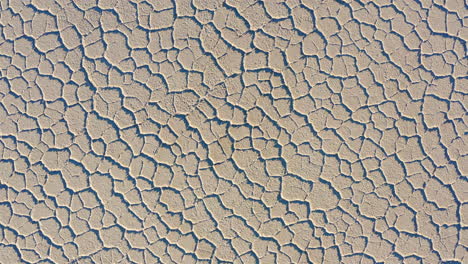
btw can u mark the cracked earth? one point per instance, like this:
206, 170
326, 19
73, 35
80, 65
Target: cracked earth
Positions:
244, 131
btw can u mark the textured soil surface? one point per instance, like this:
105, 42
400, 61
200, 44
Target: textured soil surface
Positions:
236, 131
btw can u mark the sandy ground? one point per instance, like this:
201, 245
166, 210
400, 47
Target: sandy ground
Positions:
244, 131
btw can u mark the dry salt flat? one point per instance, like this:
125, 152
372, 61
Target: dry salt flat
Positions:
237, 131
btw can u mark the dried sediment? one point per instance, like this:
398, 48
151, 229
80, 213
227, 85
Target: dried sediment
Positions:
238, 131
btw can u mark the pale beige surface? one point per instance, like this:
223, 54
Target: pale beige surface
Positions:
237, 131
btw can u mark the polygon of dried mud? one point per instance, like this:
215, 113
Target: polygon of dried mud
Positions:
244, 131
